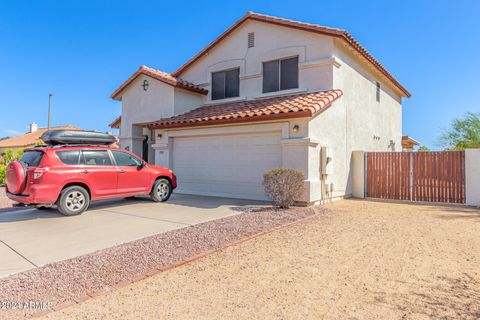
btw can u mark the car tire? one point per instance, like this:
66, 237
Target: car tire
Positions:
161, 191
73, 201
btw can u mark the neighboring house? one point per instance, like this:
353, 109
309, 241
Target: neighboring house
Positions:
29, 139
408, 143
267, 93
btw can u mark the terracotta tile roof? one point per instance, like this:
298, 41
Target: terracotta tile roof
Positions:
31, 138
338, 33
161, 76
281, 107
409, 140
116, 123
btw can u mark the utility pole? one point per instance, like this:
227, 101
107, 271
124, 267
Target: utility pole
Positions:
49, 98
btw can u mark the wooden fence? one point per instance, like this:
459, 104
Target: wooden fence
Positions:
416, 176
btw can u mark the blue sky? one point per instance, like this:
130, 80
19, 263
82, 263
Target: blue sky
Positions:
81, 51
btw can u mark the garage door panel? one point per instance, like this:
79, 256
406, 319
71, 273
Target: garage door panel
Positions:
229, 166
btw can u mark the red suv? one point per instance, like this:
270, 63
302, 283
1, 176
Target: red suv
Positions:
70, 176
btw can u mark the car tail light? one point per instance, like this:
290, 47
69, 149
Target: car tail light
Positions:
38, 172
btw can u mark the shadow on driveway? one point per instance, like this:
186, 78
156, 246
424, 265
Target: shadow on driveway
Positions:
180, 200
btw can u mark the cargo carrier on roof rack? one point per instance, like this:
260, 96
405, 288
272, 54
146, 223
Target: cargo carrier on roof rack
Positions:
62, 137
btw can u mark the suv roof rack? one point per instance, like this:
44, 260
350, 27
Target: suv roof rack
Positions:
79, 145
73, 145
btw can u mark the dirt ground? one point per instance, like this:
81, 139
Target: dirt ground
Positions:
360, 260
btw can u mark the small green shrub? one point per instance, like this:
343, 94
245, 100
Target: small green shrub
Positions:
283, 186
5, 159
2, 174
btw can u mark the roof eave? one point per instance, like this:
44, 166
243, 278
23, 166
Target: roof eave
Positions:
116, 95
263, 118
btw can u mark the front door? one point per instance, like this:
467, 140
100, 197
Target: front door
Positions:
145, 149
132, 175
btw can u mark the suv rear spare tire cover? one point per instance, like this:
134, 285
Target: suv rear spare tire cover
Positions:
16, 177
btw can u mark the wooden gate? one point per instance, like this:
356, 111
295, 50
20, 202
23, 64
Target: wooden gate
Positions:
416, 176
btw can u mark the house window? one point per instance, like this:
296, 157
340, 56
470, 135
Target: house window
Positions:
225, 84
280, 75
377, 84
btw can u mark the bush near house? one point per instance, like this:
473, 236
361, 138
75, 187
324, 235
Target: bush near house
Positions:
283, 186
8, 157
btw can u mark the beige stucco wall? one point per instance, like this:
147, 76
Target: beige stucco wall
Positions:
139, 106
357, 121
472, 177
159, 101
271, 42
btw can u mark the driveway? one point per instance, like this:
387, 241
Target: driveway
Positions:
31, 238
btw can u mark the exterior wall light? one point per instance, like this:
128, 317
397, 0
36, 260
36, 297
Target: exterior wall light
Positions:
296, 128
145, 85
159, 136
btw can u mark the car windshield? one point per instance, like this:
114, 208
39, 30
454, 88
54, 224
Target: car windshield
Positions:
32, 158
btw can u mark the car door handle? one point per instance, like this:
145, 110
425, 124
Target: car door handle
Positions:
85, 171
122, 171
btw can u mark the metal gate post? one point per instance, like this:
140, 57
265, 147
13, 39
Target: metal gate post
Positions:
411, 176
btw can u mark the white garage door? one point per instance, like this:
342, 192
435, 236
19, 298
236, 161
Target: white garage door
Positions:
225, 166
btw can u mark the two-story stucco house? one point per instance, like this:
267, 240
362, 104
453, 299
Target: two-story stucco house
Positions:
266, 93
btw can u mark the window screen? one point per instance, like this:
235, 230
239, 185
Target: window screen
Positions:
70, 157
289, 74
271, 76
225, 84
96, 158
280, 75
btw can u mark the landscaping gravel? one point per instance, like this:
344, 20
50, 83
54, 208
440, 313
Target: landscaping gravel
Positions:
76, 279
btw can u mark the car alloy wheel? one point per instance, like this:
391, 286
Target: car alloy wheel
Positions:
75, 201
163, 190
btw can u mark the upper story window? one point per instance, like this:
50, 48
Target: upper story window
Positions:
377, 85
226, 84
280, 75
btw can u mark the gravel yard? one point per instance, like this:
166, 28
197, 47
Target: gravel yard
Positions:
359, 260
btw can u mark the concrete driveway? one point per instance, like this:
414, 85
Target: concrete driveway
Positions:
31, 238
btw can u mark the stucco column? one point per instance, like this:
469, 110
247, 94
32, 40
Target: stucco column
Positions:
302, 154
162, 149
472, 177
358, 174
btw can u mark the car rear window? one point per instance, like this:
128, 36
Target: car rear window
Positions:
70, 157
32, 158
